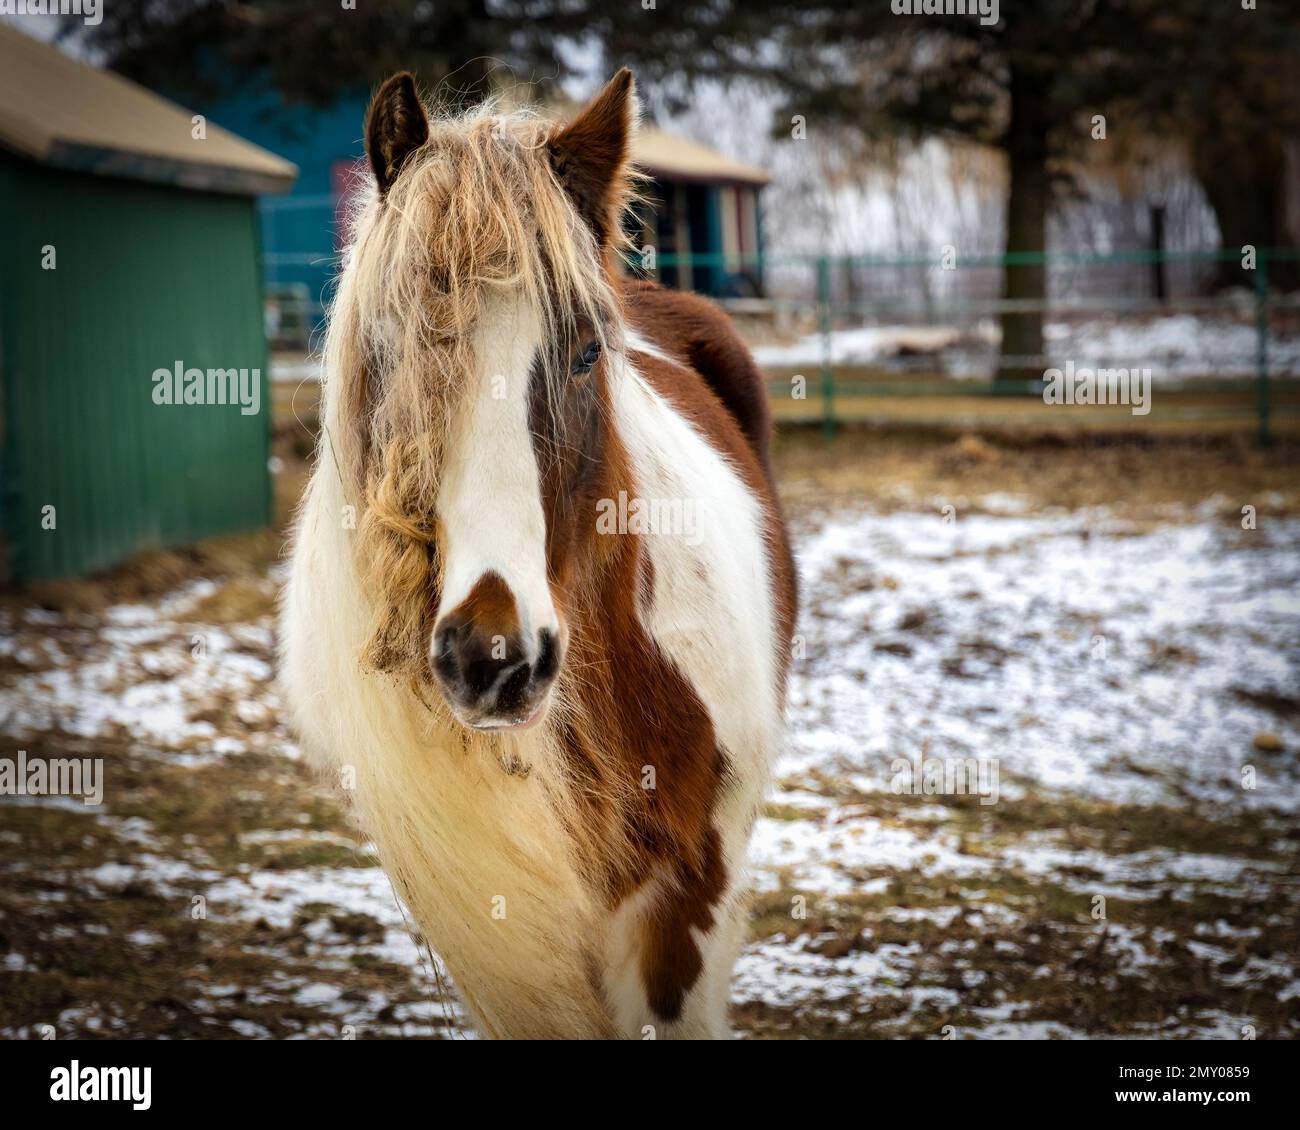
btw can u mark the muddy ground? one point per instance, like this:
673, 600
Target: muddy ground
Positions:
1089, 621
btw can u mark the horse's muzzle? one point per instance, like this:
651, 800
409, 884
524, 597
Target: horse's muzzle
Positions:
492, 681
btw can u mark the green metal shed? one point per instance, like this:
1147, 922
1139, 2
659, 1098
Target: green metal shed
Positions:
129, 276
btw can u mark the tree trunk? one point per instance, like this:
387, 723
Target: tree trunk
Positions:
1245, 180
1027, 201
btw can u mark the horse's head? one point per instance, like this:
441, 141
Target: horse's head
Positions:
472, 339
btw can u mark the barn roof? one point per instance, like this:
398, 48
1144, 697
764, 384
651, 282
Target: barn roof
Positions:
668, 156
63, 112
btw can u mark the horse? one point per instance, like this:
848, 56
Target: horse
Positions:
541, 595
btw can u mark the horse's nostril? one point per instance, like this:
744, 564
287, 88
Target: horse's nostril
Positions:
491, 675
548, 656
514, 690
481, 675
473, 662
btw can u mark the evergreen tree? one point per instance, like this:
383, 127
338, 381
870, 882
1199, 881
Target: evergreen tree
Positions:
1220, 75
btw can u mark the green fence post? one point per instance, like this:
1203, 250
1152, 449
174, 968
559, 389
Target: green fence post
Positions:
824, 319
1261, 346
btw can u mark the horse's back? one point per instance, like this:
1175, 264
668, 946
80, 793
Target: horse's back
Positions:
693, 329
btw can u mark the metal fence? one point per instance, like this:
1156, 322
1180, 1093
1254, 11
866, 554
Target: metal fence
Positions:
839, 333
1219, 349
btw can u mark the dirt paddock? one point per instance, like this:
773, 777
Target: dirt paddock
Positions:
1102, 631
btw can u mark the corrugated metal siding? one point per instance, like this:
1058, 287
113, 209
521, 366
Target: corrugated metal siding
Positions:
146, 276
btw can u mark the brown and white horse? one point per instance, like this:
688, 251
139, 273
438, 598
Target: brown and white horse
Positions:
541, 596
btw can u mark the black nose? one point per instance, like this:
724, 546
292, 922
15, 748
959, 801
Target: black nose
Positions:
492, 676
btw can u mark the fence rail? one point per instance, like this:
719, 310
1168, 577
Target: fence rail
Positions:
855, 320
1247, 324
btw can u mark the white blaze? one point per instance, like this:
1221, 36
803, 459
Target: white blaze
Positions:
489, 500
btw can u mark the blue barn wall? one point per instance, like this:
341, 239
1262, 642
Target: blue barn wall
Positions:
298, 228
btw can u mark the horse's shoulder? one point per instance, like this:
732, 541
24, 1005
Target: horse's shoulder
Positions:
692, 329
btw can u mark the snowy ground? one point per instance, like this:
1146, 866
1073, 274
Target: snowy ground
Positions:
1128, 691
1174, 347
1110, 683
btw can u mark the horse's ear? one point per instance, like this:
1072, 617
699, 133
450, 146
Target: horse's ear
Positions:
590, 154
396, 126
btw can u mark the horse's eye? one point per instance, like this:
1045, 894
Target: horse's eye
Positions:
587, 358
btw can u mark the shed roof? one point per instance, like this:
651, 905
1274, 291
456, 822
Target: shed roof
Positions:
63, 112
678, 158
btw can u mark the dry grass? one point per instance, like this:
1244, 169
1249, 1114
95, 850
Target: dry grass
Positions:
131, 959
1139, 477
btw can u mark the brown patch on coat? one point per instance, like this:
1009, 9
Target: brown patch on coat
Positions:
670, 960
490, 603
718, 388
638, 712
634, 707
693, 330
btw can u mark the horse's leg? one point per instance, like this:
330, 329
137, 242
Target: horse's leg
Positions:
706, 1014
702, 1014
